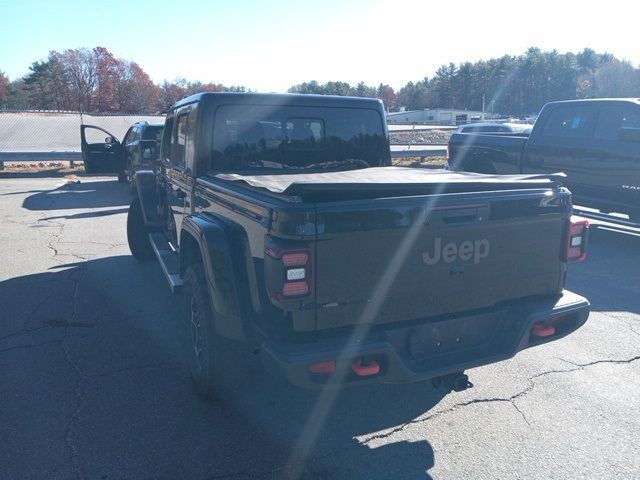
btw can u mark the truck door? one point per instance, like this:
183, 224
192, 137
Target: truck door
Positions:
177, 181
101, 150
617, 154
563, 143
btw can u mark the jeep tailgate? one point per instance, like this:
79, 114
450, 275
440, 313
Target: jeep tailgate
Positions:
383, 260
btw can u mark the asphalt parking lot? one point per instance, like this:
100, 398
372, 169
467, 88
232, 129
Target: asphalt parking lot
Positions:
93, 383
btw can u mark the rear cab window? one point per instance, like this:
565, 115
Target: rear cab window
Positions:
261, 137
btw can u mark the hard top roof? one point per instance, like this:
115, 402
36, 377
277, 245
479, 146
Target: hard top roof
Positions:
279, 99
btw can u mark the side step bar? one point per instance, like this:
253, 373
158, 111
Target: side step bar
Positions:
168, 259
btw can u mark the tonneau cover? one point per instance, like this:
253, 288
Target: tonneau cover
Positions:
384, 178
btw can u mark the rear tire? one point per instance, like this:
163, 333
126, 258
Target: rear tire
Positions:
217, 365
138, 234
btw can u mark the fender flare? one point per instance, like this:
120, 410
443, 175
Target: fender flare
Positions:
229, 270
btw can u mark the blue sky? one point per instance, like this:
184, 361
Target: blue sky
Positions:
270, 46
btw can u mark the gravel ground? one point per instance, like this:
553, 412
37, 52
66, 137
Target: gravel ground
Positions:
421, 136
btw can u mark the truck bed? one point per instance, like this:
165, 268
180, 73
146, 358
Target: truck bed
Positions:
486, 153
395, 244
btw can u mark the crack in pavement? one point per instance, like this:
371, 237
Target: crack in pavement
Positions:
88, 242
511, 399
132, 368
68, 434
30, 345
56, 237
74, 255
582, 366
622, 319
55, 250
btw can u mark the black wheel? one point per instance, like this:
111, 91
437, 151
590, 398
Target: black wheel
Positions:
122, 177
218, 366
138, 234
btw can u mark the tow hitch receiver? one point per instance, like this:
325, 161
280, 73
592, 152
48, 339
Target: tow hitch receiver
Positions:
457, 382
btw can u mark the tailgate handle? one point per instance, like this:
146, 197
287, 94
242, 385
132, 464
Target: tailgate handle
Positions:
465, 215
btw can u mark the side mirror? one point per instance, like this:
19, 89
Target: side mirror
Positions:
109, 140
629, 135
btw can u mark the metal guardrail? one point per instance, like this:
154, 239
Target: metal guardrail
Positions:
39, 156
418, 153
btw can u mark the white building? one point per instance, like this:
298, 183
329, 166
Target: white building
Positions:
438, 116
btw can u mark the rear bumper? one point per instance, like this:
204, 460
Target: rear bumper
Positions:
428, 349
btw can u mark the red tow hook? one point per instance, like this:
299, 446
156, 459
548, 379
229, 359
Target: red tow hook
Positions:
541, 330
363, 369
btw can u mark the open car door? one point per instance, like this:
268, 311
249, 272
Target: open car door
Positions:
100, 154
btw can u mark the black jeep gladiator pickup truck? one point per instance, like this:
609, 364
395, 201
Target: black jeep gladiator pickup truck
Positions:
596, 143
294, 240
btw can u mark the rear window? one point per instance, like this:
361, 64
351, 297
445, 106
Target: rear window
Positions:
152, 133
251, 137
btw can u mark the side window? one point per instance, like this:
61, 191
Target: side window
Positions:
571, 121
166, 139
128, 138
179, 141
613, 118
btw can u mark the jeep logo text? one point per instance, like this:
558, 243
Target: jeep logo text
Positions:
450, 252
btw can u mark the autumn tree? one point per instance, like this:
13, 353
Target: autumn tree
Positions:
617, 78
388, 96
4, 90
80, 66
108, 69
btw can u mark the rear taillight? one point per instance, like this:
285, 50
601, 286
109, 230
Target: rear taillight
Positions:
577, 240
295, 258
288, 273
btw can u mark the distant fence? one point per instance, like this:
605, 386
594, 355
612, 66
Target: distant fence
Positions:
28, 135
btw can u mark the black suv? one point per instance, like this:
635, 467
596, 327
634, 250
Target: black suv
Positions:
138, 150
141, 146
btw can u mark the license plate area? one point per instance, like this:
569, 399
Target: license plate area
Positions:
430, 343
